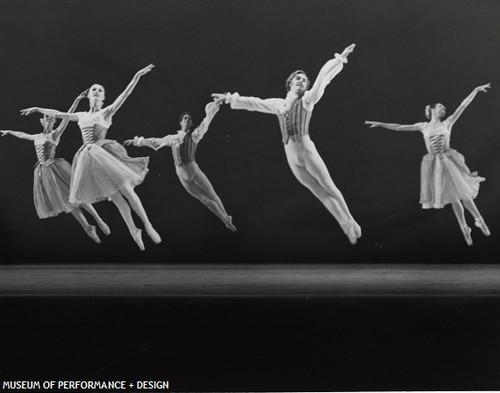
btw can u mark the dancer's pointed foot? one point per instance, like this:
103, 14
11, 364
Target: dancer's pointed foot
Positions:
349, 229
229, 224
90, 230
466, 231
137, 235
357, 230
482, 225
155, 237
104, 227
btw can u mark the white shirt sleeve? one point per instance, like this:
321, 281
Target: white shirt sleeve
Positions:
210, 110
156, 143
171, 140
325, 76
269, 105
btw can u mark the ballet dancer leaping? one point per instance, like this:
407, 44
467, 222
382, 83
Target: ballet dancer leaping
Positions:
444, 177
294, 114
101, 167
184, 145
52, 175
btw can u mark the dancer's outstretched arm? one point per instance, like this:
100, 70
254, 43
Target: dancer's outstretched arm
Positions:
155, 143
396, 127
325, 76
50, 112
62, 127
465, 103
210, 110
19, 134
269, 105
111, 109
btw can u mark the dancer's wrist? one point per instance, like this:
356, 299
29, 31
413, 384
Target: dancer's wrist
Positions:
341, 58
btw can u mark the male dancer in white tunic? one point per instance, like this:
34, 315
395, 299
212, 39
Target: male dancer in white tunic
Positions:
294, 114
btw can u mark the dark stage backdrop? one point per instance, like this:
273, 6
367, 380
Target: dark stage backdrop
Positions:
408, 54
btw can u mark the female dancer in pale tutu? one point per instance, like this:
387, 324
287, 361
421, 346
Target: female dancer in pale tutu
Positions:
184, 145
444, 177
52, 175
294, 114
101, 167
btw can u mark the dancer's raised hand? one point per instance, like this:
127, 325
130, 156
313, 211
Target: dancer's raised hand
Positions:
347, 51
373, 124
145, 70
219, 98
83, 94
28, 111
483, 88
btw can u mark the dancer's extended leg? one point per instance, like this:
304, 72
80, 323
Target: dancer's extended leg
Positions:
305, 178
201, 180
89, 229
479, 221
136, 204
458, 209
201, 195
104, 228
316, 167
126, 213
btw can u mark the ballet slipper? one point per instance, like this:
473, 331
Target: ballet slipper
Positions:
466, 231
349, 229
155, 237
357, 229
104, 227
229, 224
90, 230
482, 225
137, 235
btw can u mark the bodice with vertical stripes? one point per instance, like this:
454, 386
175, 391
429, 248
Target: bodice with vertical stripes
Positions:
93, 125
184, 153
94, 133
294, 123
45, 147
437, 138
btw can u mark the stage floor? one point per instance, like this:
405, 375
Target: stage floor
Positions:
250, 280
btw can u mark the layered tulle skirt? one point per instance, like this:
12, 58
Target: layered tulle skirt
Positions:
51, 188
445, 178
101, 169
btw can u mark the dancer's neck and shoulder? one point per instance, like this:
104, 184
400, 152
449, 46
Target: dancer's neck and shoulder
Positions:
97, 114
46, 137
437, 124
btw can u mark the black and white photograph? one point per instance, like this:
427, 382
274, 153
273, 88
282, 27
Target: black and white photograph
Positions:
249, 195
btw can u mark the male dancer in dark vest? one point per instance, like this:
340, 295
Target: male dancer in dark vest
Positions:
294, 114
184, 145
